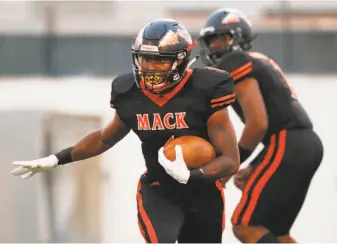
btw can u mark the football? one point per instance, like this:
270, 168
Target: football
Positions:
196, 151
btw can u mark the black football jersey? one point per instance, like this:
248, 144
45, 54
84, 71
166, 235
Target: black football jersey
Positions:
182, 111
283, 108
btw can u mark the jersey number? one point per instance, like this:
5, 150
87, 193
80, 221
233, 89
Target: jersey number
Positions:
278, 68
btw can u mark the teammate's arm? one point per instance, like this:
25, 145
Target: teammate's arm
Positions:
223, 138
256, 120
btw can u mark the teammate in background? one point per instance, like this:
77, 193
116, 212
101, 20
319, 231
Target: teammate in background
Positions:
275, 183
164, 97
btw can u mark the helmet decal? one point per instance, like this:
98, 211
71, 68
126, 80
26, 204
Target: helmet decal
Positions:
169, 39
149, 48
184, 34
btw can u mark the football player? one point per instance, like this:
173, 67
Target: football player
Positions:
161, 98
275, 183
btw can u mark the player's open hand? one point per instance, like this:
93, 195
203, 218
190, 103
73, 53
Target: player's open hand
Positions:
177, 168
29, 168
241, 177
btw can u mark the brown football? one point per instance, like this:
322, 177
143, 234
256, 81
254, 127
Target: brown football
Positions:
196, 150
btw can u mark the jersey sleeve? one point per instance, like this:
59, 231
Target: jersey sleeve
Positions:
113, 96
239, 64
222, 95
217, 85
120, 86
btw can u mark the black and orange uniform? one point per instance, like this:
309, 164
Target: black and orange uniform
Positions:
167, 210
282, 172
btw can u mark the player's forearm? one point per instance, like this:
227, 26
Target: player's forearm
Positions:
89, 146
222, 166
252, 135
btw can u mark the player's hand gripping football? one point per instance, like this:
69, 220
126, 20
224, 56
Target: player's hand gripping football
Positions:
29, 168
177, 168
241, 177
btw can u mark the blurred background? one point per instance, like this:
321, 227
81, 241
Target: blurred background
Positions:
57, 61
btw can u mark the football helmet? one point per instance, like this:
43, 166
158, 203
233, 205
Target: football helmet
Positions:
161, 55
232, 26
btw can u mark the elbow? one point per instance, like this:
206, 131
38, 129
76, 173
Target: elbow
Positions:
262, 127
235, 162
232, 167
235, 167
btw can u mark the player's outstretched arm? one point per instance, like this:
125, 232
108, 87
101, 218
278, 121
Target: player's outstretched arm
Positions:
99, 141
223, 138
89, 146
256, 120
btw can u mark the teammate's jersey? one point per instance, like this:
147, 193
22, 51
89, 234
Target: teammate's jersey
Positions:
183, 111
283, 109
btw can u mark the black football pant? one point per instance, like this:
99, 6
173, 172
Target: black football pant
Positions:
164, 217
282, 172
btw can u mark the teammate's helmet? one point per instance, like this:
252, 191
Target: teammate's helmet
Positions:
229, 23
162, 41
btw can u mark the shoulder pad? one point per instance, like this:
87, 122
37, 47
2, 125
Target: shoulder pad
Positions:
234, 60
209, 78
123, 83
120, 85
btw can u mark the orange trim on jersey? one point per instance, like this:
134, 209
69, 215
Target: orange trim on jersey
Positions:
147, 222
252, 179
220, 99
265, 178
242, 71
162, 99
242, 74
223, 103
241, 68
220, 188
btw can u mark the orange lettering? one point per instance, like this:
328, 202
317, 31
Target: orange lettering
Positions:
180, 121
143, 122
167, 124
157, 123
